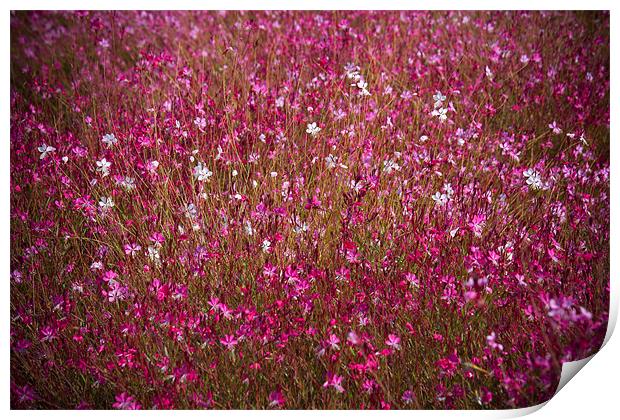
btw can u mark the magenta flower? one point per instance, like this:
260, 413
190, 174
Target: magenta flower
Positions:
229, 342
334, 381
276, 399
393, 341
125, 401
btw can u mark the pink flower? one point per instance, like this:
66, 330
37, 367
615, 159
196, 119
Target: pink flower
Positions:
276, 399
554, 126
491, 342
132, 249
109, 275
157, 238
334, 381
354, 339
125, 401
313, 203
477, 224
229, 341
368, 386
393, 341
333, 341
408, 396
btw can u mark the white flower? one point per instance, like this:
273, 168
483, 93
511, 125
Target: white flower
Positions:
440, 199
390, 165
438, 98
191, 211
152, 166
103, 166
299, 225
442, 113
266, 245
153, 253
128, 183
44, 149
350, 67
356, 185
533, 179
106, 203
249, 230
109, 139
352, 71
363, 87
488, 72
332, 162
313, 129
201, 172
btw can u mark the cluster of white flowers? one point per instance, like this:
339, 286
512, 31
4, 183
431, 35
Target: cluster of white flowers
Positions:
313, 129
109, 139
44, 149
438, 108
103, 166
353, 73
533, 179
442, 198
201, 172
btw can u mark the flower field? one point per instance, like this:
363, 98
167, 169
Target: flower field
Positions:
306, 210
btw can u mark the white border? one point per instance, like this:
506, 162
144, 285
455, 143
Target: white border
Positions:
594, 394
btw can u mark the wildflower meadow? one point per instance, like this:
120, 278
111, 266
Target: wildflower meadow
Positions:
306, 210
